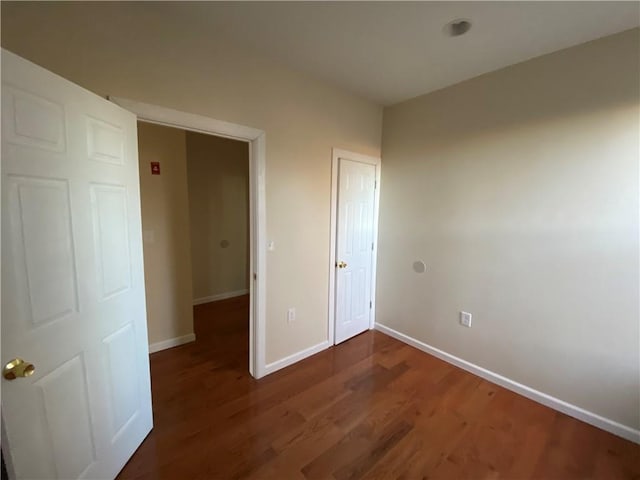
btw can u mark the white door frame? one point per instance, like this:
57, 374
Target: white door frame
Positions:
257, 206
337, 154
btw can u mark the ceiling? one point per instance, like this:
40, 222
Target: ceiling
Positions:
392, 51
384, 51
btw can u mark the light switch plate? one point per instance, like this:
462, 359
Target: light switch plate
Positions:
465, 319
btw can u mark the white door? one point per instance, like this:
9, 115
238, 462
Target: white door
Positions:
354, 248
73, 300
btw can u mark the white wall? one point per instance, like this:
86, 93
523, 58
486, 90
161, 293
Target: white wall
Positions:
133, 51
218, 177
519, 190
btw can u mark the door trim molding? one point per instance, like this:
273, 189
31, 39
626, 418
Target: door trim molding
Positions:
337, 154
257, 206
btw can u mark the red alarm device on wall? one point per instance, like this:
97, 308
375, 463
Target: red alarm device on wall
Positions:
155, 168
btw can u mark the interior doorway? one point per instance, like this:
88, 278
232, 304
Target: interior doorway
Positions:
194, 190
257, 206
218, 191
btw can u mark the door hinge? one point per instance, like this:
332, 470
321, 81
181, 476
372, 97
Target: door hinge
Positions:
255, 276
375, 184
372, 246
370, 304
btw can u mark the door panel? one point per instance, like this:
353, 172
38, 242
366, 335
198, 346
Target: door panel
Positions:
123, 388
109, 207
43, 257
355, 236
72, 279
66, 413
37, 122
105, 142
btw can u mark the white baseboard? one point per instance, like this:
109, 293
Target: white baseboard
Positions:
586, 416
172, 342
296, 357
219, 296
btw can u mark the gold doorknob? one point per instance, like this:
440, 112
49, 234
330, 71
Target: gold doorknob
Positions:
342, 265
18, 368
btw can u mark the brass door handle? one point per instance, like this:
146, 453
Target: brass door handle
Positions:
18, 368
341, 264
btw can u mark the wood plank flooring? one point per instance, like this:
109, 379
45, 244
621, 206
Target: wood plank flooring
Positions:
371, 407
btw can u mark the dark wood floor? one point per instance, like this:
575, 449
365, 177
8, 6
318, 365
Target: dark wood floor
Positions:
369, 408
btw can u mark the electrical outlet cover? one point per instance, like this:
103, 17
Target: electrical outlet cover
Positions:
465, 319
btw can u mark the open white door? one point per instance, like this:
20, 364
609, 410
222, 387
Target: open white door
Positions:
354, 248
73, 300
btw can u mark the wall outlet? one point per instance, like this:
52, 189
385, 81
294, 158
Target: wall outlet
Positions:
465, 319
291, 315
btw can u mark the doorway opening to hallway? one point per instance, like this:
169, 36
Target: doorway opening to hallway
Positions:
196, 222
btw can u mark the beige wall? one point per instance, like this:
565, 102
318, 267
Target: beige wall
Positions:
131, 51
519, 190
218, 176
165, 226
